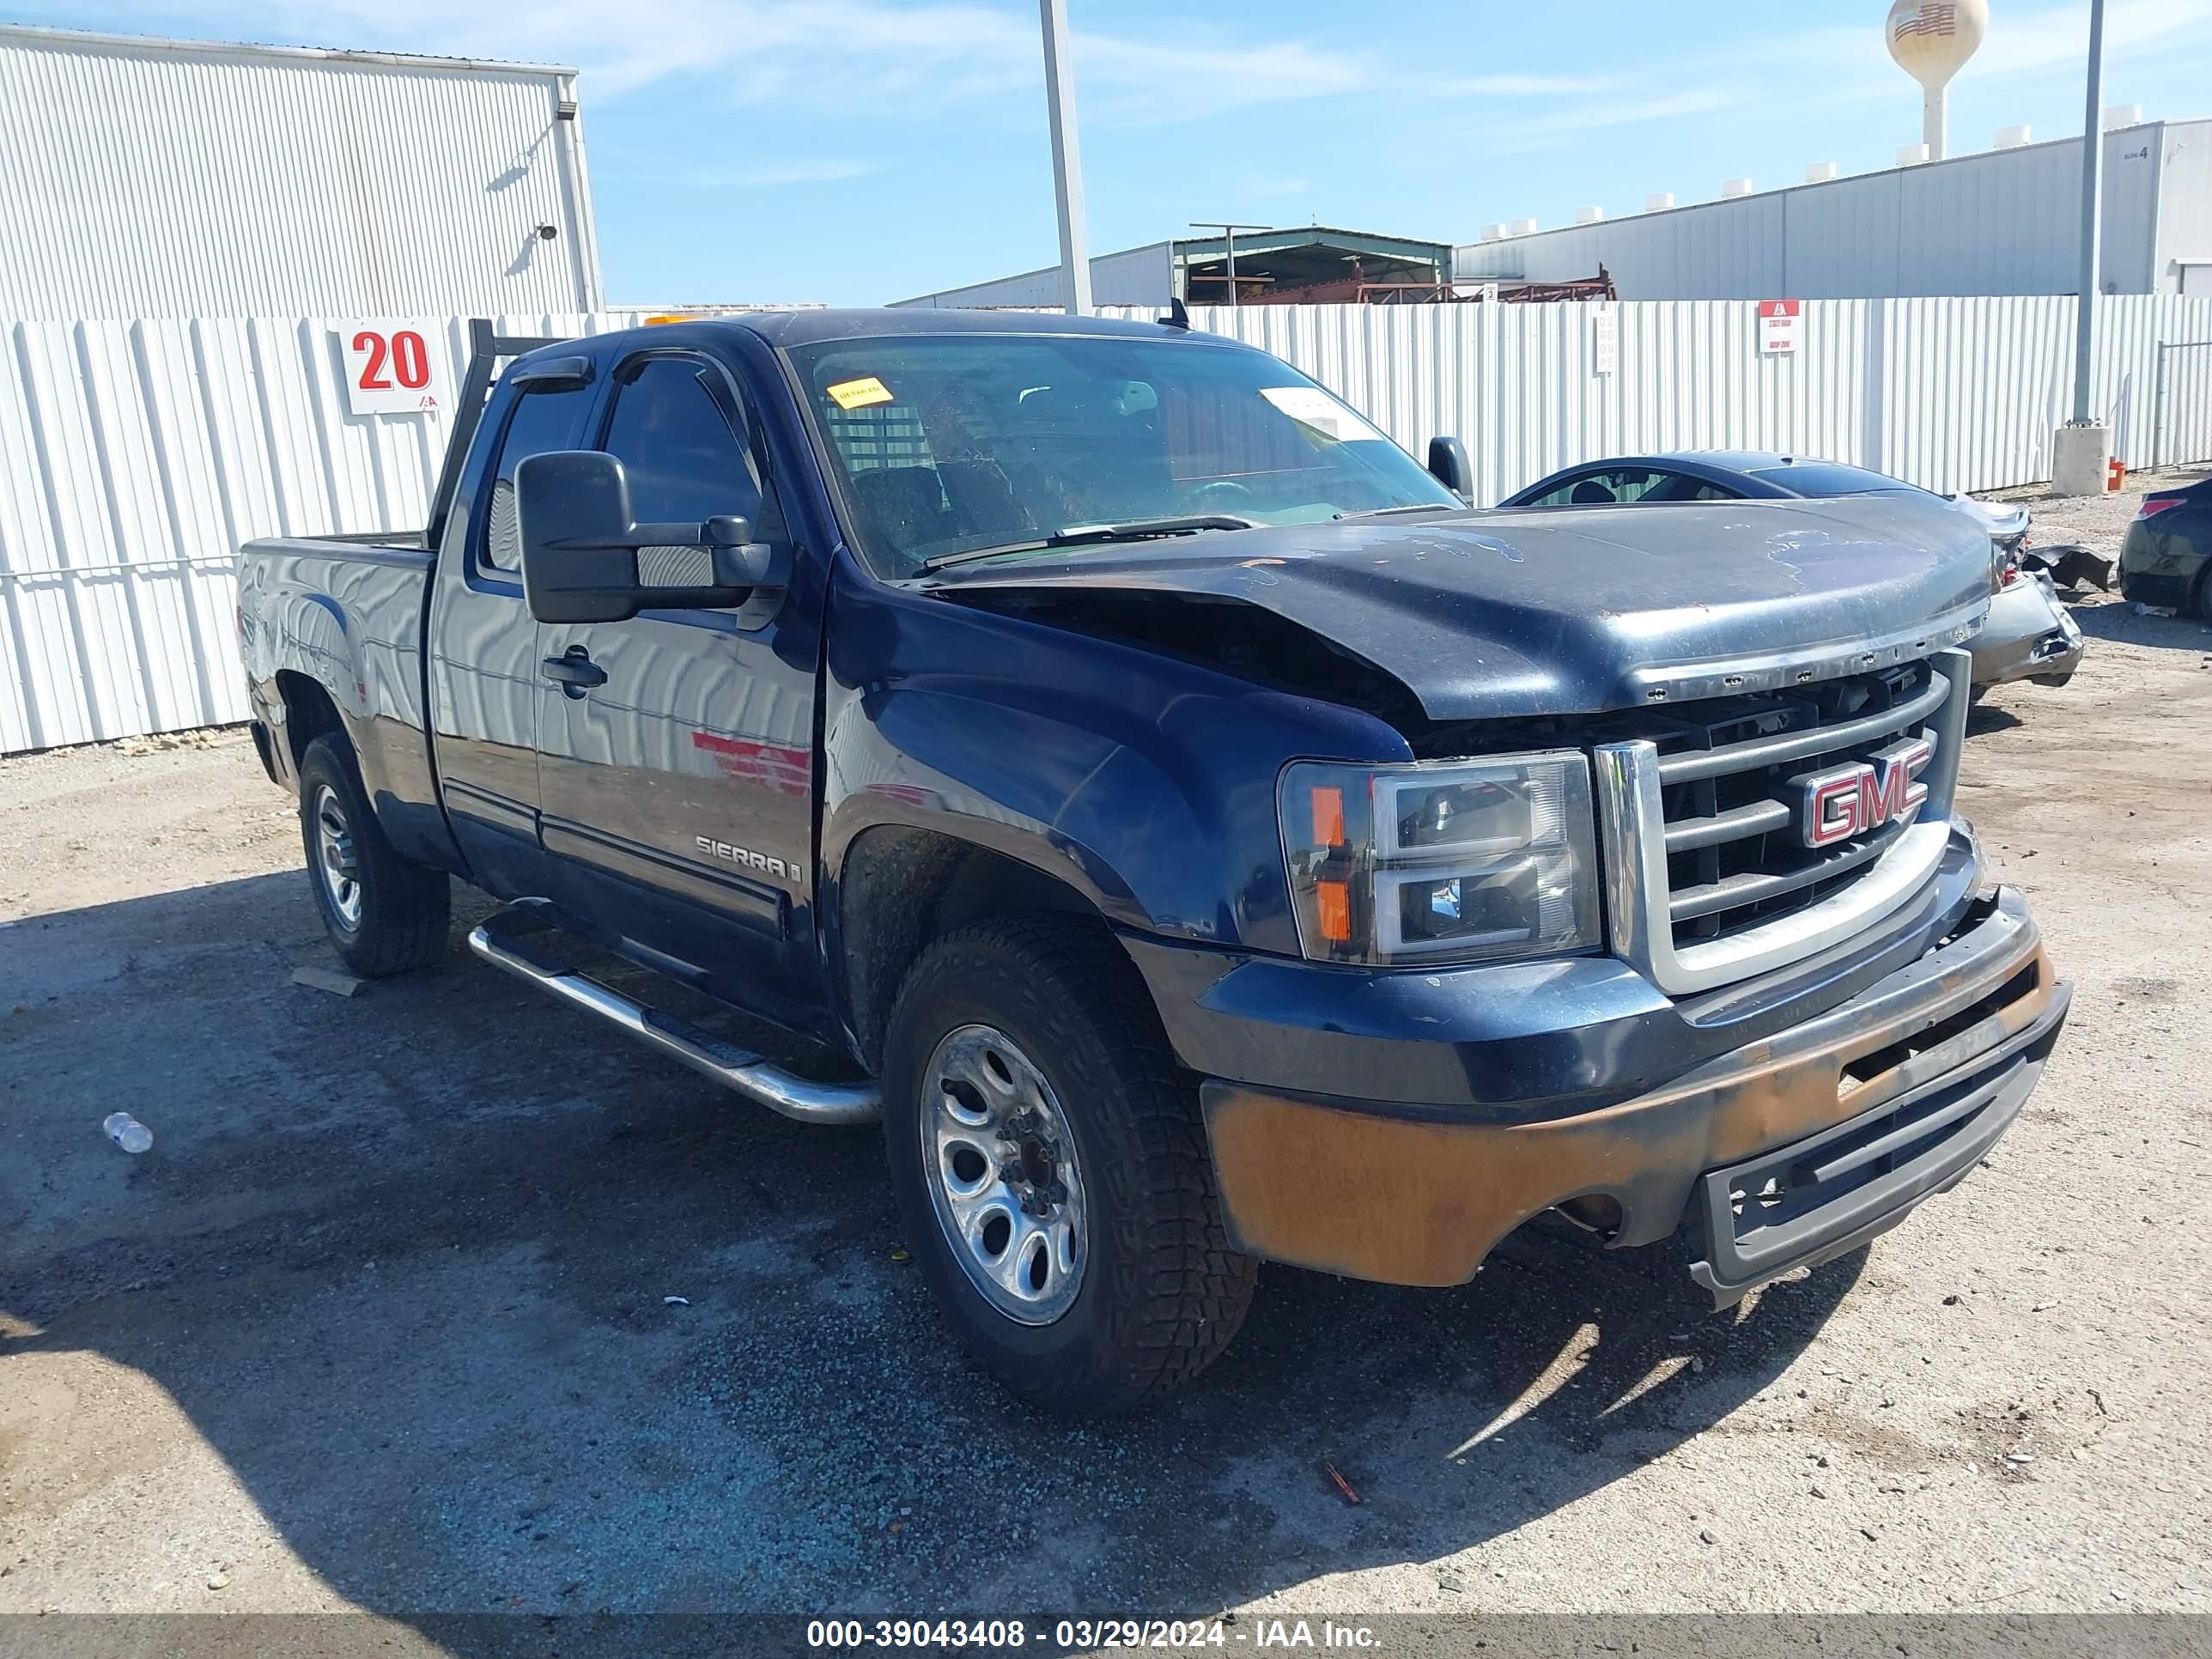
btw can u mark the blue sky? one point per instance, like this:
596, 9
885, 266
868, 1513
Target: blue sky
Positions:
860, 151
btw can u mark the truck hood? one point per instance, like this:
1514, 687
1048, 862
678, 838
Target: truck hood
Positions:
1499, 614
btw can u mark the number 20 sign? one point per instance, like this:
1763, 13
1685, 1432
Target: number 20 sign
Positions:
390, 371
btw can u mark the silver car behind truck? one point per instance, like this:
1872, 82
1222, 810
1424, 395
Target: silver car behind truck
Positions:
2028, 635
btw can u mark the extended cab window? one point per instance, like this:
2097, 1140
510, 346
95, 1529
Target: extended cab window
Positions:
541, 420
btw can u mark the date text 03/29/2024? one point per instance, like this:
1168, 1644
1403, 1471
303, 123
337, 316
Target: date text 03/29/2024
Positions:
1084, 1635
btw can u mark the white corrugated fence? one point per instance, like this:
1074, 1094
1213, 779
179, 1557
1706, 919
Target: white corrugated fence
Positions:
136, 456
1952, 394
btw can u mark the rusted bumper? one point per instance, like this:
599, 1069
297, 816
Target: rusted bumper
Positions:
1840, 1125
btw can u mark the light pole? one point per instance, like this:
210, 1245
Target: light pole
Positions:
2081, 450
1067, 161
2092, 180
1228, 244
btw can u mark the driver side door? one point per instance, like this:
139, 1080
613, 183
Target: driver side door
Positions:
676, 771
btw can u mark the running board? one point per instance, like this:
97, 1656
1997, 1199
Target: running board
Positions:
505, 941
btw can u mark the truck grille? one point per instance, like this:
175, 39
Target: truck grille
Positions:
1710, 876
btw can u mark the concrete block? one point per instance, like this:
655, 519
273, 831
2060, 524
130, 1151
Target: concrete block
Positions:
2079, 458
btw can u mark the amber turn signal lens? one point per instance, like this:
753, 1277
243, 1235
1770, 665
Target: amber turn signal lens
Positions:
1333, 909
1328, 818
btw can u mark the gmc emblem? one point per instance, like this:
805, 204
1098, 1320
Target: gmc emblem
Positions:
1846, 801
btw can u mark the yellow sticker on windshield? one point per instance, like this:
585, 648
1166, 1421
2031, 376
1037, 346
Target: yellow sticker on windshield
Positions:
859, 394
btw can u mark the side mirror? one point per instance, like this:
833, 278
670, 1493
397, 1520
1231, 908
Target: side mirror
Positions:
580, 546
1449, 467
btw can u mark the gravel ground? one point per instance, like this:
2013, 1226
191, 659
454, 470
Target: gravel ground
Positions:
380, 1322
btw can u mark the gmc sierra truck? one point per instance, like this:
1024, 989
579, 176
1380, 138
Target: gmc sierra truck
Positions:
1196, 835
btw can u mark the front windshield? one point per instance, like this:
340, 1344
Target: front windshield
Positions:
949, 444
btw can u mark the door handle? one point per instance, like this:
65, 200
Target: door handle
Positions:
576, 672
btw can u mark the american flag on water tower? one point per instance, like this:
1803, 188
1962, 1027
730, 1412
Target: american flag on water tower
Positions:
1937, 18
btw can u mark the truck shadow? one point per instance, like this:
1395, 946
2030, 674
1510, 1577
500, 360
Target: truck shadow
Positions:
407, 1261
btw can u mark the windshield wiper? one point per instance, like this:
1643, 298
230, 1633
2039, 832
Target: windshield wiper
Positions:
1410, 506
1079, 535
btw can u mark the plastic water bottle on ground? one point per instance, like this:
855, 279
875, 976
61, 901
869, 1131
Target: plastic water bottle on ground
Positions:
127, 1132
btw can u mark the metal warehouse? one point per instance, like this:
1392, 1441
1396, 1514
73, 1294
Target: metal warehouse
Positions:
155, 178
1313, 262
1867, 236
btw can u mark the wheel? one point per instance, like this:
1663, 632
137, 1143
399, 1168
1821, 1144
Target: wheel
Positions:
1051, 1169
385, 915
2200, 604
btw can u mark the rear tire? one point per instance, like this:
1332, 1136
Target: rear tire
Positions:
385, 915
1052, 1170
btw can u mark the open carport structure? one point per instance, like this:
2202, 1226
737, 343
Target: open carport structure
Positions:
1309, 263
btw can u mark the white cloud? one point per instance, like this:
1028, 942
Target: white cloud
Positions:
1520, 85
766, 176
2058, 36
864, 53
1624, 112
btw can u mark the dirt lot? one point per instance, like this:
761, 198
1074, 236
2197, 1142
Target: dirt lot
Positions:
379, 1323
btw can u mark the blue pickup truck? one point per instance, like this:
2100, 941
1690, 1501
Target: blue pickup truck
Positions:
1195, 833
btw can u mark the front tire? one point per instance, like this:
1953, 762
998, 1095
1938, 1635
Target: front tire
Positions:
1052, 1171
385, 915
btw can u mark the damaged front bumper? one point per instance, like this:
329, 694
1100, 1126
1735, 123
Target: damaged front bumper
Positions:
1795, 1145
2029, 635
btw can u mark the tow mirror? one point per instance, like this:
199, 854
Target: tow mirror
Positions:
1449, 467
585, 559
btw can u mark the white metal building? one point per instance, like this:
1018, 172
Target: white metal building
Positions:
2000, 222
153, 178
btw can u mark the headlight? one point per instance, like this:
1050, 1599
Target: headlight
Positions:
1442, 861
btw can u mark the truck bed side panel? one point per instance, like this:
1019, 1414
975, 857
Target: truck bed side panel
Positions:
347, 614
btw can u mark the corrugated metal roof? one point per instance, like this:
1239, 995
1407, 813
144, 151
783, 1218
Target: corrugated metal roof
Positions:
97, 38
146, 177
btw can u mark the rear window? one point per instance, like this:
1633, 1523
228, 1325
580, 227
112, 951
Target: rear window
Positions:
1828, 478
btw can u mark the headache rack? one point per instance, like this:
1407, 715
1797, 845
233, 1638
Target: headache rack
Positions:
1709, 877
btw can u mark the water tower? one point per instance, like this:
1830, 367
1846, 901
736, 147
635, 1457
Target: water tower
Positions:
1931, 39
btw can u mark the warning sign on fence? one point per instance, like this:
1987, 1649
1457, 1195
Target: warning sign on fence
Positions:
1778, 325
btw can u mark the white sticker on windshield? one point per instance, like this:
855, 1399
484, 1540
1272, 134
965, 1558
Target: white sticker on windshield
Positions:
1309, 406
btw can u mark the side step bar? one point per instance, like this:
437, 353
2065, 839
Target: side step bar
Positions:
505, 941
